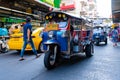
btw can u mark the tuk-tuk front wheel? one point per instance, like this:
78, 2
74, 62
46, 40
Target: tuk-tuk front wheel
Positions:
106, 41
97, 42
50, 58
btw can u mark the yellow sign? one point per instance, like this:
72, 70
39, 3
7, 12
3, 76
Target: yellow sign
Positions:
51, 27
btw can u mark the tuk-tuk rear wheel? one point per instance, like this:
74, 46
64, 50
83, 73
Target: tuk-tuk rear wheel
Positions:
89, 50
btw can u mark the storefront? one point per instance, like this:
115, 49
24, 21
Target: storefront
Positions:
6, 21
16, 12
116, 17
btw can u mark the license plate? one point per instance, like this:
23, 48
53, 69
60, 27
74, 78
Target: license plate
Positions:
52, 27
97, 36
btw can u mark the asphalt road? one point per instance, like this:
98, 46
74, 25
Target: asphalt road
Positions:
104, 65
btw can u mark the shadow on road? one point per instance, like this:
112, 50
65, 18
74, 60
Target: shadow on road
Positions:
65, 68
16, 53
73, 60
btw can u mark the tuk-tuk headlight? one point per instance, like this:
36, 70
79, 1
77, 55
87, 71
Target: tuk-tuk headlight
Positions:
51, 34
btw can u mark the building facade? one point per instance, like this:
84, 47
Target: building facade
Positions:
15, 11
115, 6
86, 8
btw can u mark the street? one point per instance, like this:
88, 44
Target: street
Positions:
59, 26
104, 65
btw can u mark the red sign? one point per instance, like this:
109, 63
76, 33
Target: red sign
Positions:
67, 7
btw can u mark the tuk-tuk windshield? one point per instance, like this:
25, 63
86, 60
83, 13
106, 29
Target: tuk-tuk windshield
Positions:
62, 24
98, 29
57, 18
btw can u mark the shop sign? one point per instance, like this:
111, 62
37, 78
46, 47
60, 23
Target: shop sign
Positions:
51, 2
54, 3
67, 5
12, 20
57, 3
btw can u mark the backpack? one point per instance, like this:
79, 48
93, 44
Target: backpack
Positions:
114, 33
3, 32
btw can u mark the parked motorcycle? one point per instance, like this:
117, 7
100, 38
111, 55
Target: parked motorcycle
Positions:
3, 45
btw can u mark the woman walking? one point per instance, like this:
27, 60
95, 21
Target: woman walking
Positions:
114, 36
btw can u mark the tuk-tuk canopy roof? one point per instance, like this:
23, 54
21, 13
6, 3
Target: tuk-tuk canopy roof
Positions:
60, 14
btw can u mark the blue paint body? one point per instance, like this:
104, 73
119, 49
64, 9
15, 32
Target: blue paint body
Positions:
57, 39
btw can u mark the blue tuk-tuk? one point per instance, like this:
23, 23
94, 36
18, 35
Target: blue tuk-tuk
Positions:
99, 35
65, 36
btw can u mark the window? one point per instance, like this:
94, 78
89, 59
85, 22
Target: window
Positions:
62, 24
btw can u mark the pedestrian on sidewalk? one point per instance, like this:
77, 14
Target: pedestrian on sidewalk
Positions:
27, 31
114, 36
